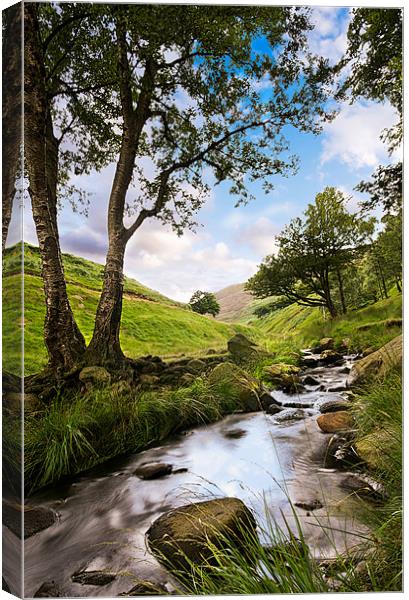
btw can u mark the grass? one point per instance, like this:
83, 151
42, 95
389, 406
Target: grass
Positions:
297, 326
70, 436
149, 326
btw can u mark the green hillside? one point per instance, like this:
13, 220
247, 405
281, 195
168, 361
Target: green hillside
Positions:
151, 323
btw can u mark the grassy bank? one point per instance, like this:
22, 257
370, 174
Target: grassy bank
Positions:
151, 323
70, 436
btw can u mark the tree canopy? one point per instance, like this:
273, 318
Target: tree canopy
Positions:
204, 303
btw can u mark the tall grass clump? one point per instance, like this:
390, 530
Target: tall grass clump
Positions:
71, 435
378, 416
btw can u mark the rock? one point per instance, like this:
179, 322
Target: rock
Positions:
363, 486
99, 578
35, 518
211, 351
340, 453
326, 344
148, 380
184, 535
378, 363
267, 400
310, 506
336, 388
243, 350
345, 370
393, 323
94, 377
146, 588
273, 409
235, 433
153, 470
195, 366
333, 405
289, 414
240, 383
310, 361
49, 589
310, 380
13, 403
333, 422
368, 351
283, 376
330, 356
11, 383
345, 345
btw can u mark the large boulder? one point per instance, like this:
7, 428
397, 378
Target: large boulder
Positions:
283, 376
373, 448
239, 382
185, 535
378, 363
243, 350
94, 377
329, 357
334, 422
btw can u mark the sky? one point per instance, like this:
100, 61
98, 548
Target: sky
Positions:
233, 241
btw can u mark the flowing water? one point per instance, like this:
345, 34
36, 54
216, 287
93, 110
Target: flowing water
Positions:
103, 515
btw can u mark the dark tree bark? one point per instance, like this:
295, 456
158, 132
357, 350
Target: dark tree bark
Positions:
12, 113
105, 345
341, 291
398, 284
64, 341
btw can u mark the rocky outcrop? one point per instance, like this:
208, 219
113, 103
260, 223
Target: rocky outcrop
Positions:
334, 422
378, 363
239, 382
185, 535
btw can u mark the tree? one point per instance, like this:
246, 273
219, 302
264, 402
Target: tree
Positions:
311, 251
204, 303
207, 55
64, 341
374, 57
11, 117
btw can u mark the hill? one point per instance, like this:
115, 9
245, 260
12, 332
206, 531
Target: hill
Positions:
237, 305
151, 322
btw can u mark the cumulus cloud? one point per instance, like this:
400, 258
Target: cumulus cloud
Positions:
259, 236
329, 36
354, 136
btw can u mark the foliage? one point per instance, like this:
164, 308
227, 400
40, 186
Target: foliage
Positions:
385, 188
204, 303
265, 309
310, 250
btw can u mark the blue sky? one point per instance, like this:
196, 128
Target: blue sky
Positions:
233, 241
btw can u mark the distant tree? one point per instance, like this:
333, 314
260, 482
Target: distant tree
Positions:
204, 303
312, 252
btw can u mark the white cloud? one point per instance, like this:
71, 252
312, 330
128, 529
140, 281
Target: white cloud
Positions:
329, 36
259, 236
354, 136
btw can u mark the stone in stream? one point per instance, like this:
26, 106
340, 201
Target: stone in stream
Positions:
97, 578
273, 409
289, 414
310, 361
267, 400
332, 405
326, 344
363, 486
36, 519
153, 470
185, 535
309, 506
334, 422
235, 433
146, 588
337, 388
49, 589
329, 357
310, 380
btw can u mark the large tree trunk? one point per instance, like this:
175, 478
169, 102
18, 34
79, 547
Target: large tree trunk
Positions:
328, 298
12, 113
105, 345
64, 341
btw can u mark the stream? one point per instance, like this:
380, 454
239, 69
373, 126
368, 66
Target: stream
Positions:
104, 513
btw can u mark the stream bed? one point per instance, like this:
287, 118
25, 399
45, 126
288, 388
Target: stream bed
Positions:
103, 515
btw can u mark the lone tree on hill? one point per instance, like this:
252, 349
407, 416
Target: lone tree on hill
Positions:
310, 251
204, 303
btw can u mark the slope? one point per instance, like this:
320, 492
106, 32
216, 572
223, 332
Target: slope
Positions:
151, 323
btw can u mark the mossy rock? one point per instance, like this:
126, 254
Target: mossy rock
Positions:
284, 376
326, 344
243, 350
94, 377
239, 382
373, 448
377, 364
185, 535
